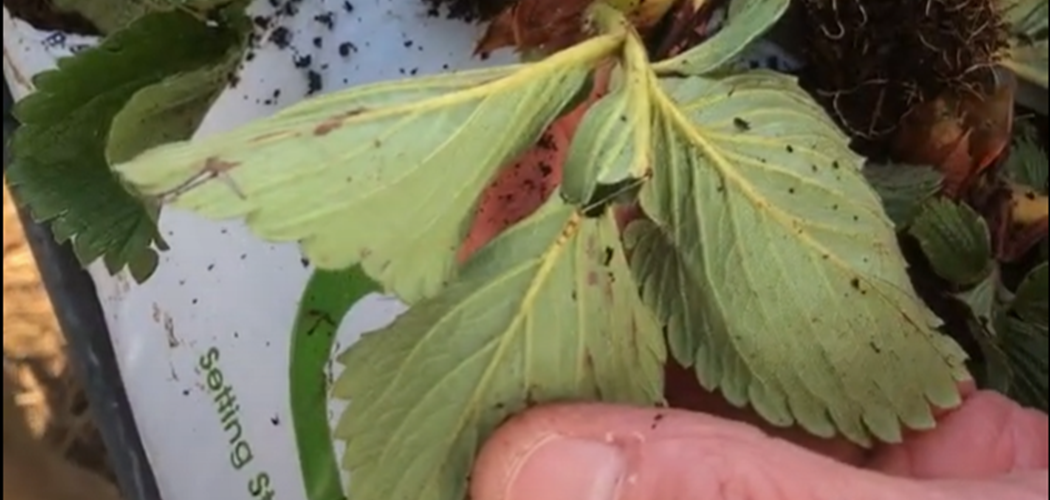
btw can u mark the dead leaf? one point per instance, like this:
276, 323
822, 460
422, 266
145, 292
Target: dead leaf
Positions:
649, 12
689, 26
546, 25
991, 120
962, 134
499, 34
552, 25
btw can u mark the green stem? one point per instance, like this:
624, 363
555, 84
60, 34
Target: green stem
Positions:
327, 298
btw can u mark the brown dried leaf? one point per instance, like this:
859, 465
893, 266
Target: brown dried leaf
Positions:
960, 134
547, 25
552, 25
499, 34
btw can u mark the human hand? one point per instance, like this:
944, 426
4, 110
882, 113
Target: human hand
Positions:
990, 448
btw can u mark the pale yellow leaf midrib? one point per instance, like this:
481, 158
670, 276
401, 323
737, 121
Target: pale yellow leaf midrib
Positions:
546, 264
581, 56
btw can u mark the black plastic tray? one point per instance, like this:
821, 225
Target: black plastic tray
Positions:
80, 317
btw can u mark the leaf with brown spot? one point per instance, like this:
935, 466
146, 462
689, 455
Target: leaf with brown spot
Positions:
1023, 224
388, 172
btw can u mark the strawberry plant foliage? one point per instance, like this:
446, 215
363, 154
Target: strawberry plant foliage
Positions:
1029, 52
764, 253
548, 311
373, 150
144, 85
746, 21
758, 205
904, 189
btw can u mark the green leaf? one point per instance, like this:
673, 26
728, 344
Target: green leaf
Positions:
1025, 346
172, 109
1027, 163
547, 312
982, 302
1028, 53
995, 372
107, 15
386, 175
904, 189
111, 15
955, 239
770, 249
60, 170
1030, 302
612, 142
746, 21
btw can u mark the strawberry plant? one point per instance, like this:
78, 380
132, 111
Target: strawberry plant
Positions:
687, 211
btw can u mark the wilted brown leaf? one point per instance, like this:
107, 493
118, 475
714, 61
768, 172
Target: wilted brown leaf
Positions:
689, 26
960, 133
552, 25
548, 25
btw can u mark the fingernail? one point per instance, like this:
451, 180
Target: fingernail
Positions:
570, 469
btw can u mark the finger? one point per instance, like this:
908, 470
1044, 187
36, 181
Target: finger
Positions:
988, 436
600, 452
682, 390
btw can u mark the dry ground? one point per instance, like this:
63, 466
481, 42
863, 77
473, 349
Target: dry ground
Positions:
36, 365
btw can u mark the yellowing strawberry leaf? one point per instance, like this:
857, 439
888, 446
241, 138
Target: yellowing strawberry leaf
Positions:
1029, 61
1029, 48
612, 142
956, 241
60, 171
904, 189
768, 247
546, 312
385, 174
746, 21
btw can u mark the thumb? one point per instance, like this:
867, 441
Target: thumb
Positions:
601, 452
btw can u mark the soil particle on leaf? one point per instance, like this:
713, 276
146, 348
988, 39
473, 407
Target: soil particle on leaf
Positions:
43, 15
872, 61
